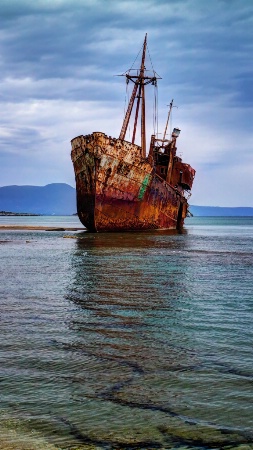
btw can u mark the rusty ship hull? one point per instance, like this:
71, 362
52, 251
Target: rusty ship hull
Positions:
119, 190
119, 187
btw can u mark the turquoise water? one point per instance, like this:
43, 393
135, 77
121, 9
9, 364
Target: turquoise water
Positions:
127, 341
47, 221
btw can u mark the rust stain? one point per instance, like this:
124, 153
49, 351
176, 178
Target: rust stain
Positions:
119, 190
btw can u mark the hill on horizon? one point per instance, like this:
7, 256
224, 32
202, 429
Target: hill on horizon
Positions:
60, 199
220, 211
55, 198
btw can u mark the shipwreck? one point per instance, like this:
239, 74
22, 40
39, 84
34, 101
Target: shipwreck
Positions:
120, 186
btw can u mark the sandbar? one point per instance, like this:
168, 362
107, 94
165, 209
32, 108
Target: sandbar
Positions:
38, 227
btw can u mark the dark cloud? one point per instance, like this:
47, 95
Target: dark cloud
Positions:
60, 40
57, 65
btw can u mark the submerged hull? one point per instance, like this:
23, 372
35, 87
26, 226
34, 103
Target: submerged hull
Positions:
119, 190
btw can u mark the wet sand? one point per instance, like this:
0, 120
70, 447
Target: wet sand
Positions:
37, 227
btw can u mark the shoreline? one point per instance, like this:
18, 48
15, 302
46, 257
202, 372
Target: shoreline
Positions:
39, 228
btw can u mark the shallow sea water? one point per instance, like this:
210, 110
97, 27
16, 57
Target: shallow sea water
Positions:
127, 341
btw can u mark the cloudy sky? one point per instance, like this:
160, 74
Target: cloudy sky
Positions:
58, 61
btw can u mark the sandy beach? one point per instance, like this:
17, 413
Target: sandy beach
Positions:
38, 227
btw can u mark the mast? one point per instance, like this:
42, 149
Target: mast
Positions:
128, 113
136, 113
168, 118
142, 76
143, 122
140, 80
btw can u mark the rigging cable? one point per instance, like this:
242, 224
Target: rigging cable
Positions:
151, 60
156, 75
127, 91
171, 117
127, 71
157, 113
155, 108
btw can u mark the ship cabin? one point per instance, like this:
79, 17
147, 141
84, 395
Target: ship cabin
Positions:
169, 166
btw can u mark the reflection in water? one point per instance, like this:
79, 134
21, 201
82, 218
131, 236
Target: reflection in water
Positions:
134, 340
143, 366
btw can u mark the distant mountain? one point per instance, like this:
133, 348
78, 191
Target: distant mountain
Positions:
220, 211
60, 199
56, 198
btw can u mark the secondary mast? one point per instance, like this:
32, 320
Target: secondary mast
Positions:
167, 123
